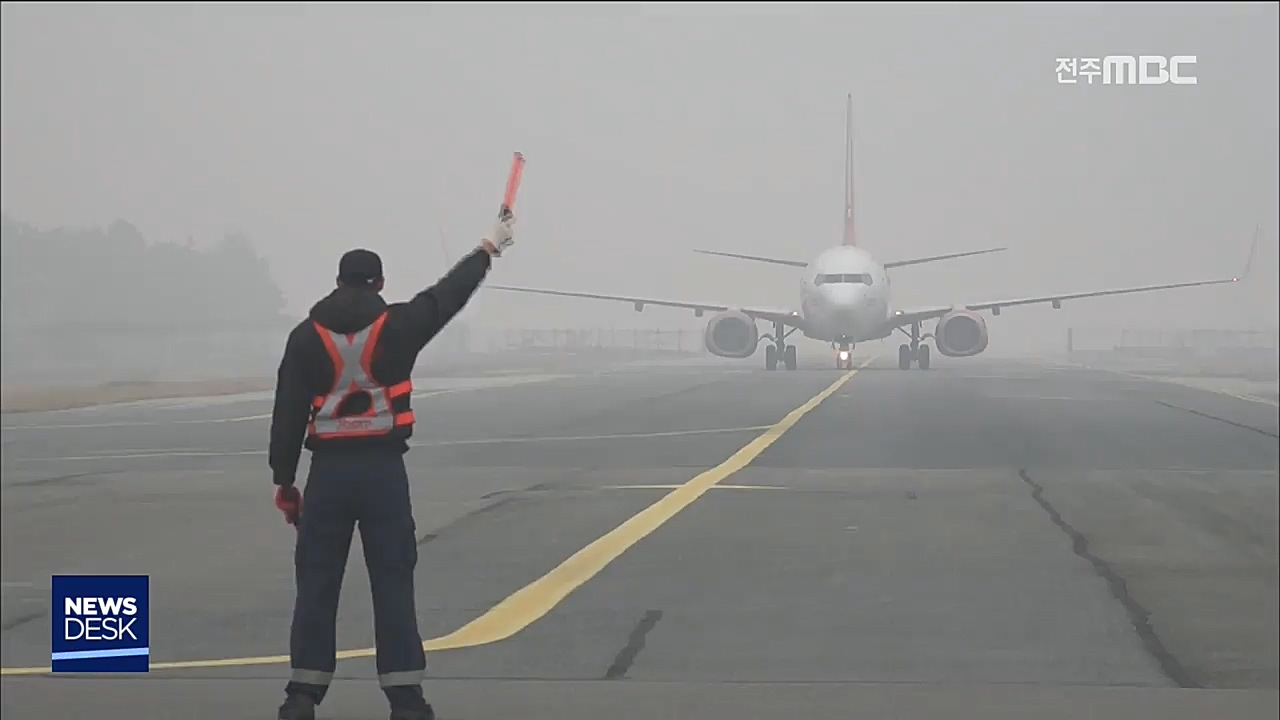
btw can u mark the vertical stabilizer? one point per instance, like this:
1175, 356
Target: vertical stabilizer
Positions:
849, 238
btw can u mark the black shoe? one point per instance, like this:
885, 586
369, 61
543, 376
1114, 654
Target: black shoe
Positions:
426, 713
298, 707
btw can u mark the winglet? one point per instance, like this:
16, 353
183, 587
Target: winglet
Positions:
1253, 250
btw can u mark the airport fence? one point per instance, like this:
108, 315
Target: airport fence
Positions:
582, 340
70, 355
1200, 351
66, 354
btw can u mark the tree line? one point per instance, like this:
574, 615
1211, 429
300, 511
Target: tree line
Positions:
103, 279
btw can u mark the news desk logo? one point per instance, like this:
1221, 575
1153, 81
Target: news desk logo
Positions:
1128, 70
100, 624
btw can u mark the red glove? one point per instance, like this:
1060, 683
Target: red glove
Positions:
289, 501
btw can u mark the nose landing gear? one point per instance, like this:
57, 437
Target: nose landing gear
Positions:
844, 356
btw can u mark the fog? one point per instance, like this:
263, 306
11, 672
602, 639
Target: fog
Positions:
652, 130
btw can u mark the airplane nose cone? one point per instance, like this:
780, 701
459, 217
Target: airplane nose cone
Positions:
840, 297
844, 306
844, 314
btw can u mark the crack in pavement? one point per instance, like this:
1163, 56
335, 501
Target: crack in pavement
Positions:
23, 620
1139, 616
635, 643
500, 502
500, 498
37, 482
1232, 423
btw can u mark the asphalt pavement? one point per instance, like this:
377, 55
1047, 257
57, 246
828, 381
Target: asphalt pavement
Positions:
986, 539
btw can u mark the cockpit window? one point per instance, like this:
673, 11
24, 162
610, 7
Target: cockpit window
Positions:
845, 278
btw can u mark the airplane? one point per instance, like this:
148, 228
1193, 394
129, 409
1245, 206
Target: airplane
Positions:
845, 300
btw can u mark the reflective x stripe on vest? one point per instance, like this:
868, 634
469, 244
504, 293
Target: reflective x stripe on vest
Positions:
351, 355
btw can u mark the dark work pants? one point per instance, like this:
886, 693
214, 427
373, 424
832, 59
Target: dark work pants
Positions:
345, 488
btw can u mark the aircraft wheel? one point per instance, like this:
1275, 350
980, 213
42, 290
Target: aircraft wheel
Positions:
904, 357
789, 357
770, 357
922, 360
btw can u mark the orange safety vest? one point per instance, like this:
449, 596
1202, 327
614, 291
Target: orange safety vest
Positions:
351, 354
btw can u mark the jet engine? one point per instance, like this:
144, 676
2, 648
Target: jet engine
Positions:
731, 334
961, 333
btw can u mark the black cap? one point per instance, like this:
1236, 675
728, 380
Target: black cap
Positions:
360, 267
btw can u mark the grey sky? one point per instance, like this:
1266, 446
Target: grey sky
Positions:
652, 130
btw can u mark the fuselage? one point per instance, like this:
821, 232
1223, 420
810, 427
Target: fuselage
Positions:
844, 296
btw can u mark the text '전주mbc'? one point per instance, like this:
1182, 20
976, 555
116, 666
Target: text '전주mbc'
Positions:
1128, 70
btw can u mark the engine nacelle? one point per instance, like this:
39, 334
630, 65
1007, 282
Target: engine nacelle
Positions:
731, 334
961, 333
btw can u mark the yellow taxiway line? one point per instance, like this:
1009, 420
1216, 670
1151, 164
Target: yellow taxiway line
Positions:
533, 601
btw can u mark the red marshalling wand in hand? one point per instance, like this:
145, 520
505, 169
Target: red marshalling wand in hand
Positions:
513, 184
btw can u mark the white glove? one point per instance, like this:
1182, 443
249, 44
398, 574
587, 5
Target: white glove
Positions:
501, 237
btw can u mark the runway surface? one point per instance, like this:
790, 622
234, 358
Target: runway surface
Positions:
986, 539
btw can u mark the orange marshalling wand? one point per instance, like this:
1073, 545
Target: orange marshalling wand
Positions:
513, 182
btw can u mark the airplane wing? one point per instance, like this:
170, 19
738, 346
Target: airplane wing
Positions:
934, 258
756, 258
914, 315
891, 264
786, 317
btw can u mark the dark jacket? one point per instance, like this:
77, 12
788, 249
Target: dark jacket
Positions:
307, 371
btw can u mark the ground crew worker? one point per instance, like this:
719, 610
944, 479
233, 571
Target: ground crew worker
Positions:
344, 383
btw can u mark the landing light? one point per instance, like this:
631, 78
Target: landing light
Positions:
844, 354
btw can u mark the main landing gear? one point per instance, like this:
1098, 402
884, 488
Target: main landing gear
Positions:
914, 351
778, 349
